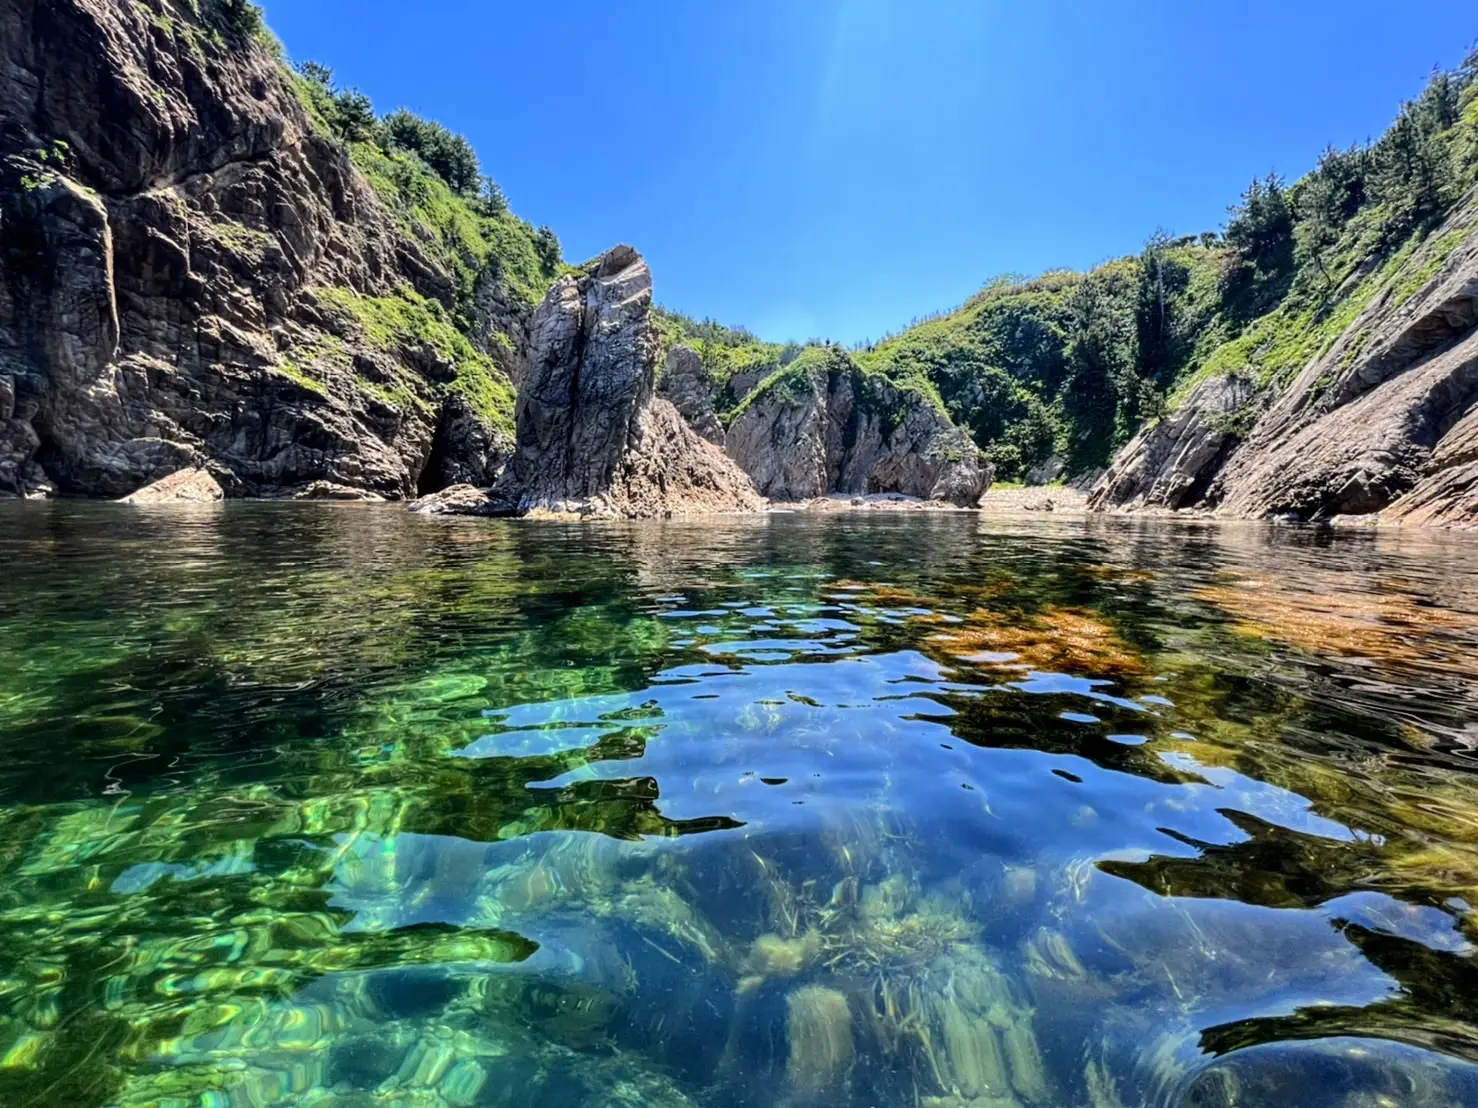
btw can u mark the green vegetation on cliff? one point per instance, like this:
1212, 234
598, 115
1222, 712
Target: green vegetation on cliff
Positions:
420, 331
1072, 364
432, 183
743, 369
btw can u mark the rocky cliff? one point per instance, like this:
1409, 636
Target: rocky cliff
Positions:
192, 274
1383, 422
819, 424
201, 270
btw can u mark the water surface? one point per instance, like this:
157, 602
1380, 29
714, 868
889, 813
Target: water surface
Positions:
334, 805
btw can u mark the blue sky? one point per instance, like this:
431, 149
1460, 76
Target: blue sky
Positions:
835, 168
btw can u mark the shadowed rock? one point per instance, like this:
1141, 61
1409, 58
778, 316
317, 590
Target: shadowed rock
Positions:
172, 220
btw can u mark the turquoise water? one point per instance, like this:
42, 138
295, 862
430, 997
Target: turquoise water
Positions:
331, 805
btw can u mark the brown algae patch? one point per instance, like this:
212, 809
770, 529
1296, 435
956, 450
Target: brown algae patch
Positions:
1391, 627
1056, 639
1059, 640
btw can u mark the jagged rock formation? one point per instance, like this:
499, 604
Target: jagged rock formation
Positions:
1384, 421
592, 438
821, 425
177, 247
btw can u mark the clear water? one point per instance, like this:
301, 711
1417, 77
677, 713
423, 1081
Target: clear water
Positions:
339, 806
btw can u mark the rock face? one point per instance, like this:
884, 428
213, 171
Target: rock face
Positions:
170, 221
1385, 421
1170, 464
592, 438
686, 382
823, 426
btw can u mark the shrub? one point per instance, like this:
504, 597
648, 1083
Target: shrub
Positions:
241, 18
546, 244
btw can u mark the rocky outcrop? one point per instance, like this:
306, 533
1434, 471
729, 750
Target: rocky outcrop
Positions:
822, 425
592, 437
173, 226
461, 500
188, 486
1171, 463
1385, 421
1446, 493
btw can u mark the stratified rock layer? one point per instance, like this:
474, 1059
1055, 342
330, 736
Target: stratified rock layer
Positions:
1171, 463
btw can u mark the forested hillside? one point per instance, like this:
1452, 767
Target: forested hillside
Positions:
1071, 364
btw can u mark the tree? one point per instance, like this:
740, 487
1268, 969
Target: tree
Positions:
321, 75
353, 116
494, 202
450, 156
1412, 169
1102, 395
1164, 336
1259, 237
1324, 203
546, 245
241, 18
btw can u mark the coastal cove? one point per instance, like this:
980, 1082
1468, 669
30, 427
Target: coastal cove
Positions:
436, 671
216, 259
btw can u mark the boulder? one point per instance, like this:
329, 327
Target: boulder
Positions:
187, 486
461, 500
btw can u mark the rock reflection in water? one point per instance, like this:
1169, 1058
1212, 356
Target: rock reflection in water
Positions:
333, 806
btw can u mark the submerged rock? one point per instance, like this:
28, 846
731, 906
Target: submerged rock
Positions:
819, 1030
